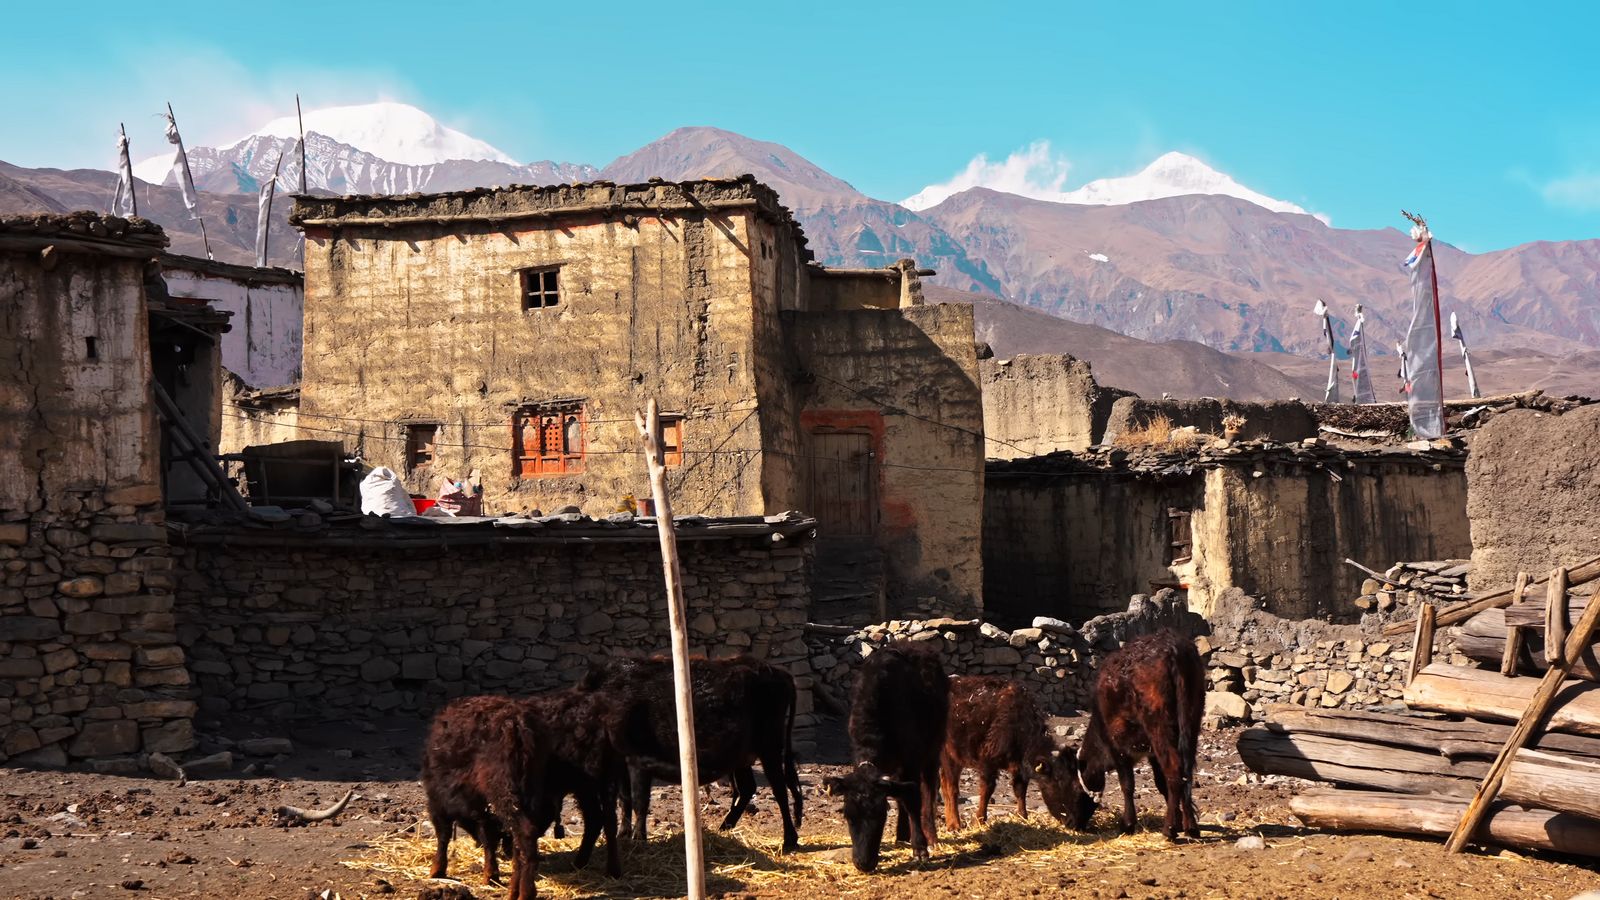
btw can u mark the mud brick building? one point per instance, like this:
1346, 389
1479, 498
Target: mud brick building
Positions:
90, 664
514, 333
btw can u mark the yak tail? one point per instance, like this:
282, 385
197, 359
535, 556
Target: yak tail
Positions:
791, 774
1191, 704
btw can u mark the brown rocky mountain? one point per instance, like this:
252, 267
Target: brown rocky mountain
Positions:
230, 218
1235, 276
1179, 368
1207, 269
845, 227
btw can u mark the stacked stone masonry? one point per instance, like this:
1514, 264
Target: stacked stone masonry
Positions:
1252, 657
285, 632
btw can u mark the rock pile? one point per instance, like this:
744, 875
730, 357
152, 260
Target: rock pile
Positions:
1409, 584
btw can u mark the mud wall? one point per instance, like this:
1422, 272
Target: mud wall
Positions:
907, 378
1074, 546
1533, 492
89, 663
1283, 421
425, 324
1282, 533
1038, 404
294, 631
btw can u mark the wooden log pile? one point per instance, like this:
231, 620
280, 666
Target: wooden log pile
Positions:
1410, 584
1415, 772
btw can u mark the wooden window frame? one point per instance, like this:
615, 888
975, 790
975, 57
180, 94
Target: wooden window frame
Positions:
671, 441
551, 454
420, 453
540, 287
1180, 537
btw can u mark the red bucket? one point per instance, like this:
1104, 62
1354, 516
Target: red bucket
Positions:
423, 504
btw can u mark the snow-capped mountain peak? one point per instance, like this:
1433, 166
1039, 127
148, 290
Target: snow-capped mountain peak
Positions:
1039, 173
394, 132
1170, 175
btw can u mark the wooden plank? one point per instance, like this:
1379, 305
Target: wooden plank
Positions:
1555, 615
1453, 739
1533, 614
1583, 573
1532, 778
1538, 708
1491, 650
1422, 642
1483, 694
1397, 814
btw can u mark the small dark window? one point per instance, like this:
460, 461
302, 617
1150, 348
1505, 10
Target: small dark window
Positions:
541, 288
671, 441
419, 445
90, 350
1180, 540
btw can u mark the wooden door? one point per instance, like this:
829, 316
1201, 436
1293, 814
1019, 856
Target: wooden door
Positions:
843, 484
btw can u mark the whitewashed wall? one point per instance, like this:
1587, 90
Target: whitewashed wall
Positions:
264, 345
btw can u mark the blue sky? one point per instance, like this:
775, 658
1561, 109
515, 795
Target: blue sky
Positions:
1485, 118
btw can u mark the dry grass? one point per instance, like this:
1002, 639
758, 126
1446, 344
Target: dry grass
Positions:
748, 860
1158, 432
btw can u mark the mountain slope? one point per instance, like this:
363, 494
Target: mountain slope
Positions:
1235, 276
845, 227
1179, 368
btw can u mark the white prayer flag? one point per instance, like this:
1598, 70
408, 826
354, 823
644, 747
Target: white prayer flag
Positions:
123, 203
1359, 375
180, 164
1466, 359
1424, 381
1330, 393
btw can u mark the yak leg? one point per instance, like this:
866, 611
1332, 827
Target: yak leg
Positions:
778, 781
928, 799
1019, 786
950, 782
639, 781
443, 825
744, 790
490, 838
1130, 820
986, 779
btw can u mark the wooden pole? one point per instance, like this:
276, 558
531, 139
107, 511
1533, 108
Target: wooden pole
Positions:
1422, 641
1532, 717
1516, 638
1555, 615
1372, 811
649, 424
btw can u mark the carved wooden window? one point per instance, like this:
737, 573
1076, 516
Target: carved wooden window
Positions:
541, 288
548, 439
420, 437
1180, 539
672, 441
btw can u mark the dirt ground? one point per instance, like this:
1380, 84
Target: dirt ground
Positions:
82, 835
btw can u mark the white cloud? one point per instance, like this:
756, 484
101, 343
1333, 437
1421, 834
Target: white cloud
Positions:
1032, 172
72, 113
1579, 191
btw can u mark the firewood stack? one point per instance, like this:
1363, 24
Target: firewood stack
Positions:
1491, 754
1408, 584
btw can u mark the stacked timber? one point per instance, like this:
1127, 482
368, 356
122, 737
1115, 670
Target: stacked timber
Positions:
1409, 584
1416, 772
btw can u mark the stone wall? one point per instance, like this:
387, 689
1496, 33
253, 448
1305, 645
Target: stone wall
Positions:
1252, 657
1282, 421
1038, 404
89, 662
1532, 494
336, 626
1058, 661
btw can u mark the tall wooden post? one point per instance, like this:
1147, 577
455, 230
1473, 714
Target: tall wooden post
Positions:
650, 432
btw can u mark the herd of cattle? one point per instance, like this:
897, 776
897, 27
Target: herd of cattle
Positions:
501, 767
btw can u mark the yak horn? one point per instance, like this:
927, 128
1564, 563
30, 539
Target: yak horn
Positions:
316, 815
